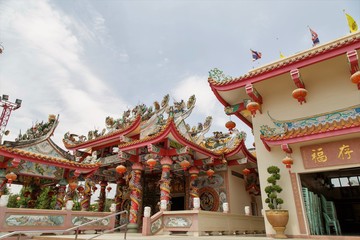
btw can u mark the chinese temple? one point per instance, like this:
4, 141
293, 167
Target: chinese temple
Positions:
304, 111
153, 156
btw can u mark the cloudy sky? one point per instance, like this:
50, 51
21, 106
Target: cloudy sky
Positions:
86, 60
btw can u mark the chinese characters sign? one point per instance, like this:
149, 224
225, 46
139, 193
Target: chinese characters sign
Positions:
331, 154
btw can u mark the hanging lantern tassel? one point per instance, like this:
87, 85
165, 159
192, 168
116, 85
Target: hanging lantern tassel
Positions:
288, 162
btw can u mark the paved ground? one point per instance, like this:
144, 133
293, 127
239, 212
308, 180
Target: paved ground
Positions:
138, 236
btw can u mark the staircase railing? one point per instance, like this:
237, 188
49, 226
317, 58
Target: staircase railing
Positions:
76, 228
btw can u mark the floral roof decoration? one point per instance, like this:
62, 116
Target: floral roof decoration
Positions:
218, 75
38, 130
332, 121
223, 141
114, 125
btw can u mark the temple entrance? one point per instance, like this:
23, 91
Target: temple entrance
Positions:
151, 194
178, 203
332, 201
151, 197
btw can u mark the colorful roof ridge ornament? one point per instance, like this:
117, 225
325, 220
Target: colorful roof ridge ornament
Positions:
218, 75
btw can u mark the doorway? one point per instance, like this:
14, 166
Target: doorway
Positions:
336, 195
178, 203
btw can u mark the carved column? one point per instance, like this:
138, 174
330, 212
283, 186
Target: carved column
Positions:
119, 197
85, 202
2, 185
102, 197
194, 190
135, 196
165, 179
60, 195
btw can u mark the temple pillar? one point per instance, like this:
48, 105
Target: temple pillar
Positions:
165, 180
194, 190
135, 196
60, 195
102, 197
85, 202
119, 198
2, 185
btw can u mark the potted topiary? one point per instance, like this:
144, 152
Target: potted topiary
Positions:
277, 217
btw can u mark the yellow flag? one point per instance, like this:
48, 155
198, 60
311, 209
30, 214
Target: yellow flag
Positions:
352, 24
281, 55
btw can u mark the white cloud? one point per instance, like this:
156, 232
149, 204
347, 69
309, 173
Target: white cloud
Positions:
43, 65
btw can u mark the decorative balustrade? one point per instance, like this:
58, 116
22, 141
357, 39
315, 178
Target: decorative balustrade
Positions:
23, 219
201, 222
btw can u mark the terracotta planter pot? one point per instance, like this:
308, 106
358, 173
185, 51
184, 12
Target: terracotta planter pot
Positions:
278, 220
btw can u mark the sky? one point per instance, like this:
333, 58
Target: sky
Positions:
86, 60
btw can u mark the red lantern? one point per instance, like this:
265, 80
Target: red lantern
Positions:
288, 162
108, 188
151, 162
355, 78
184, 164
72, 185
210, 173
300, 94
121, 169
253, 107
11, 177
230, 125
246, 171
81, 188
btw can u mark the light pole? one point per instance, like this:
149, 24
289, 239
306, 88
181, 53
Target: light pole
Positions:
8, 107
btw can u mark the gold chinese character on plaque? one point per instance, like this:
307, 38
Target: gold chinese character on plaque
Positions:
345, 150
318, 155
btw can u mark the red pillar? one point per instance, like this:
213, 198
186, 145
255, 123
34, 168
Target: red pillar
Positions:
102, 197
165, 179
135, 196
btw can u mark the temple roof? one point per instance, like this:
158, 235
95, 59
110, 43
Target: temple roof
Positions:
35, 145
219, 79
235, 93
334, 123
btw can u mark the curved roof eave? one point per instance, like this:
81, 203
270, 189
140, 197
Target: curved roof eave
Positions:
168, 129
53, 161
105, 138
305, 58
